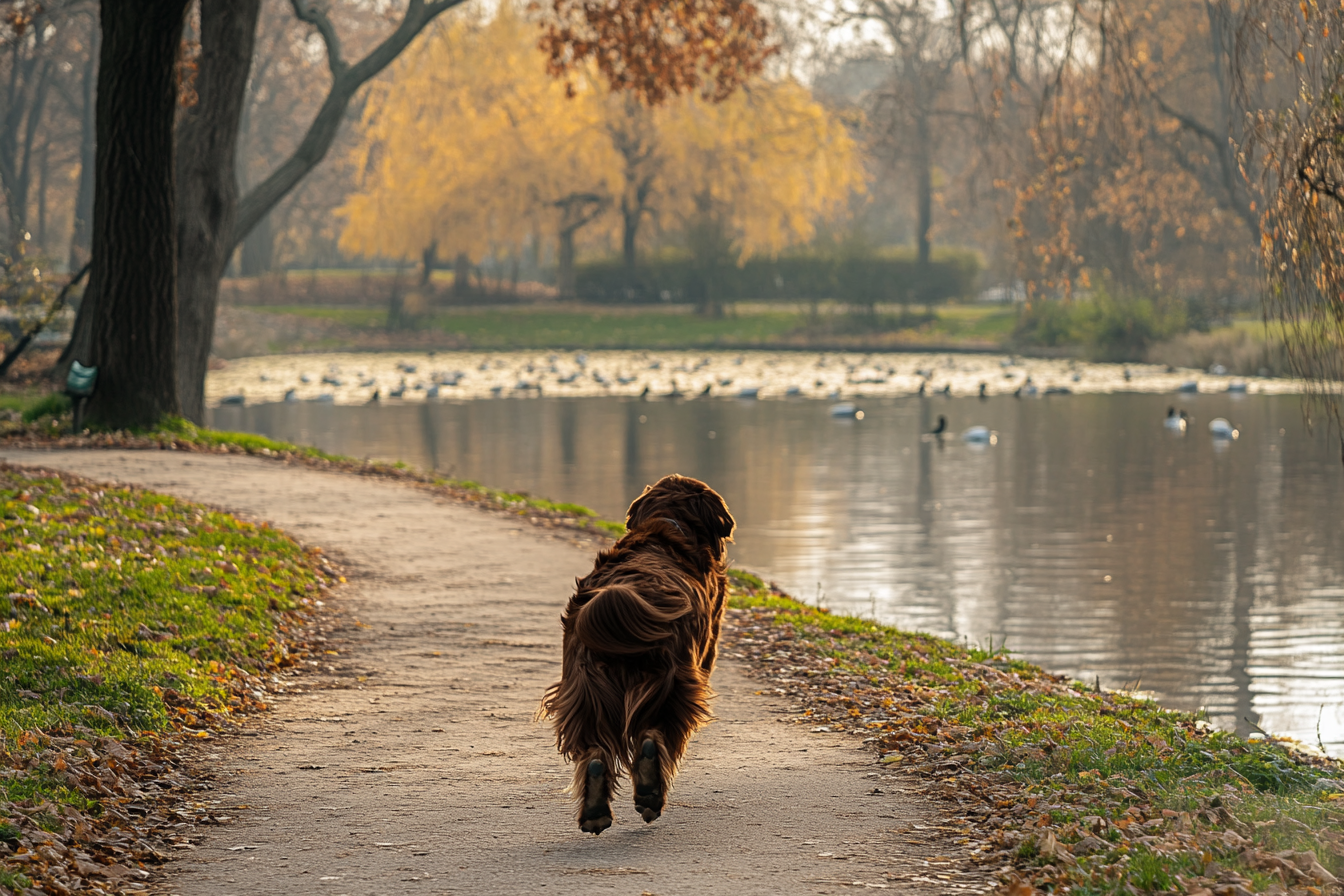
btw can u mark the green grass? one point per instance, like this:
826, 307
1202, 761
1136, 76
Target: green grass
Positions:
32, 404
128, 612
754, 325
1072, 762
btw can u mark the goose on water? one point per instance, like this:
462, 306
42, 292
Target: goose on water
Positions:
940, 428
1219, 428
1176, 422
979, 435
845, 409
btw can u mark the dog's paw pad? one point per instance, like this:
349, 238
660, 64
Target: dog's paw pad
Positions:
648, 782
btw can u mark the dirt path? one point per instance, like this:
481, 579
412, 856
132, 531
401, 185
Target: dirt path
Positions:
421, 771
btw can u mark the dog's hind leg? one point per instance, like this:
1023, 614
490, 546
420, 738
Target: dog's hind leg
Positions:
594, 783
651, 775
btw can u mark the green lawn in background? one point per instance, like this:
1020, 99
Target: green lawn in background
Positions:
662, 328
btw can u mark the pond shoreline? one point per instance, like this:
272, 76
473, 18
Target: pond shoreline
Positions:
925, 706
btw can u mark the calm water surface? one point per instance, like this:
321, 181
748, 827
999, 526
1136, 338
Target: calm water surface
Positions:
1092, 540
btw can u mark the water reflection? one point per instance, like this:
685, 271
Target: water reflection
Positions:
1095, 541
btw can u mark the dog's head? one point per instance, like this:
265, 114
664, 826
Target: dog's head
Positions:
695, 507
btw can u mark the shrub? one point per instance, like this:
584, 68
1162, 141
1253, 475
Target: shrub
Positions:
1240, 351
53, 405
1109, 327
862, 279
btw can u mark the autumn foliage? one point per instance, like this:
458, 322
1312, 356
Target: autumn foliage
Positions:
473, 147
655, 48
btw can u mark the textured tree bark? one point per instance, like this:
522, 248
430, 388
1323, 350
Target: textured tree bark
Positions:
133, 285
207, 187
83, 232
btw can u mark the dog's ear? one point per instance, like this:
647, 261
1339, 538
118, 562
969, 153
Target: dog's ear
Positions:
713, 517
639, 509
713, 512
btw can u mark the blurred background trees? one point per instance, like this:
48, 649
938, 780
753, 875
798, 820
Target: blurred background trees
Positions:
1063, 152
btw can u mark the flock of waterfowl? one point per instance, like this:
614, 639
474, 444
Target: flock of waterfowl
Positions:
843, 378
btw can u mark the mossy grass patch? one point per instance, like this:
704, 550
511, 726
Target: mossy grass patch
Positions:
129, 621
1061, 785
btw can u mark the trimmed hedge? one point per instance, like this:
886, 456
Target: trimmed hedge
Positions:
861, 280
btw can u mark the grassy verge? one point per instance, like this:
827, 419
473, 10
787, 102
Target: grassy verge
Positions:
753, 326
48, 431
1066, 789
133, 623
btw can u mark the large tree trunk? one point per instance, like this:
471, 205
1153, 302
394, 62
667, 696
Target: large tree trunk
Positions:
429, 260
133, 284
207, 187
83, 232
564, 276
629, 233
461, 275
43, 175
923, 186
16, 149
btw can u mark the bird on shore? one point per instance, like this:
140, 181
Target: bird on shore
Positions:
704, 393
291, 395
984, 387
400, 390
645, 393
376, 396
947, 391
921, 389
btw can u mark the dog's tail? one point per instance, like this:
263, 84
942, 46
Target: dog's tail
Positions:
619, 621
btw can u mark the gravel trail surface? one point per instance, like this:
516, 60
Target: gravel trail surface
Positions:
413, 764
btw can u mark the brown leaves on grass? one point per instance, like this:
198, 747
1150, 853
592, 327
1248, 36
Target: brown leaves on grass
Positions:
1048, 835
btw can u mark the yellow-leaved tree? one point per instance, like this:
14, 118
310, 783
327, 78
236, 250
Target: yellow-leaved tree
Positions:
469, 146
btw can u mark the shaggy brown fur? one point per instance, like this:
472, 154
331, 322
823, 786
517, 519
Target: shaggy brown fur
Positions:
640, 635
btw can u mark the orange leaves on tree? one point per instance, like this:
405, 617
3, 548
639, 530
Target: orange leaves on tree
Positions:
659, 48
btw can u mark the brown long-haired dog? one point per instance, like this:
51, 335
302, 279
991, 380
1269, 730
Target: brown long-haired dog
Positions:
640, 635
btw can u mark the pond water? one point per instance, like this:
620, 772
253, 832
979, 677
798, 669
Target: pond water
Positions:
1090, 538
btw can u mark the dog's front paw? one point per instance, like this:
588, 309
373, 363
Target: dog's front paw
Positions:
648, 780
595, 816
